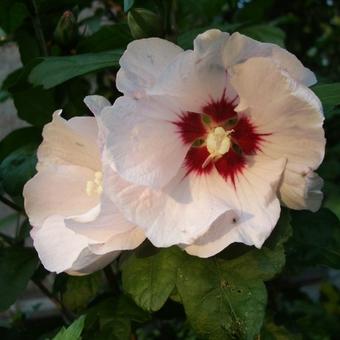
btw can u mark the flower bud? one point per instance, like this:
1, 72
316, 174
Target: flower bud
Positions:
144, 23
66, 32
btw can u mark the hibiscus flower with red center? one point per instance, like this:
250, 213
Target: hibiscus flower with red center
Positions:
206, 144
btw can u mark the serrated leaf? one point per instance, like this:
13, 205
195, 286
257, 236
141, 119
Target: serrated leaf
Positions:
17, 266
72, 332
53, 71
112, 318
227, 298
150, 280
316, 239
329, 95
219, 300
80, 290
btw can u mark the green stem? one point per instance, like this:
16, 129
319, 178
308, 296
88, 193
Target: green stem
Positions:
38, 30
111, 279
66, 314
11, 204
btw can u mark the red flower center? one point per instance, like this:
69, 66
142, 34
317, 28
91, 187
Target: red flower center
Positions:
243, 139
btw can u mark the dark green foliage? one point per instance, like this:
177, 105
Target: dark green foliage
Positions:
17, 265
17, 168
316, 239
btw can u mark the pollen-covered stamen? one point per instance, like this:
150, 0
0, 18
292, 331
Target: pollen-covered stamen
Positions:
218, 144
95, 187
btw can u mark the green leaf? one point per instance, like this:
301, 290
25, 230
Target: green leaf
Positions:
226, 298
18, 138
12, 15
332, 197
80, 290
107, 38
17, 168
56, 70
316, 239
111, 318
282, 231
265, 33
329, 95
73, 332
128, 4
4, 95
150, 280
222, 299
34, 105
144, 23
17, 266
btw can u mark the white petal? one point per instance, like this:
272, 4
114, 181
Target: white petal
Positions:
143, 150
240, 48
255, 212
180, 214
192, 80
96, 103
302, 190
57, 246
70, 142
58, 190
128, 240
88, 262
292, 116
209, 45
141, 64
107, 224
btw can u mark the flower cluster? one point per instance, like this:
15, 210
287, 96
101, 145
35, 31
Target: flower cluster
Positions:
200, 152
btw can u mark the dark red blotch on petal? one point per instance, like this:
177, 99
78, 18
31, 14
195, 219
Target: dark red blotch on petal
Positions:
194, 161
220, 110
230, 165
190, 127
245, 139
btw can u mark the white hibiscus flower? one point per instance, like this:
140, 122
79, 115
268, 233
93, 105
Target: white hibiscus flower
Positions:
76, 227
205, 144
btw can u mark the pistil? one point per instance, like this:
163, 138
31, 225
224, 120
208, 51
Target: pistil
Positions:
218, 143
95, 187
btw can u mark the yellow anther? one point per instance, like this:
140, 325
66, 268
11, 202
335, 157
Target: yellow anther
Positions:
95, 187
218, 144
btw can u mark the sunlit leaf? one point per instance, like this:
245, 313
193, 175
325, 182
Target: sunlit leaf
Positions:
53, 71
72, 332
151, 279
329, 95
